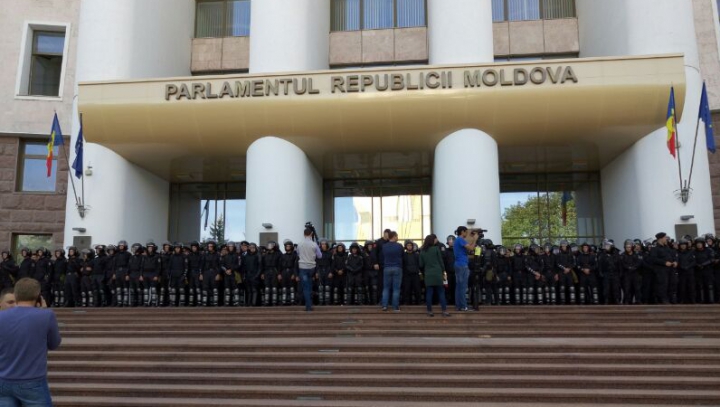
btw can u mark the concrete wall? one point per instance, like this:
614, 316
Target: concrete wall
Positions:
540, 37
31, 117
639, 187
127, 202
707, 32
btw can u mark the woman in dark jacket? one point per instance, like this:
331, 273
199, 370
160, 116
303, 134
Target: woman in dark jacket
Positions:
431, 261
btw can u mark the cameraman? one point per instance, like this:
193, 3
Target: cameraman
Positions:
28, 332
465, 242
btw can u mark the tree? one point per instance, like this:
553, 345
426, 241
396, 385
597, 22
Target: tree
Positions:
217, 231
538, 219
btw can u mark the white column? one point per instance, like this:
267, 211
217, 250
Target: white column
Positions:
289, 35
639, 186
460, 31
283, 189
126, 39
466, 183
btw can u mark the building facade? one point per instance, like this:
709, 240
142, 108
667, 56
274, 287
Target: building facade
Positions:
534, 119
39, 43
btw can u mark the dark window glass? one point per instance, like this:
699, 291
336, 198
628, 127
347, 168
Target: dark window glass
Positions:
352, 15
378, 14
222, 18
46, 63
411, 13
522, 10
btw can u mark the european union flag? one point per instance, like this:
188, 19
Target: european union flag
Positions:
706, 117
78, 163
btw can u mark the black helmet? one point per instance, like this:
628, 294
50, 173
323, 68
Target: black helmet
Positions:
502, 250
177, 244
535, 248
628, 242
123, 243
168, 244
195, 243
271, 245
230, 243
339, 245
100, 247
683, 241
564, 242
407, 242
355, 245
288, 242
111, 248
135, 247
72, 249
699, 240
60, 250
449, 239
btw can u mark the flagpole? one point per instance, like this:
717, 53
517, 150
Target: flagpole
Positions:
692, 163
67, 158
82, 173
677, 146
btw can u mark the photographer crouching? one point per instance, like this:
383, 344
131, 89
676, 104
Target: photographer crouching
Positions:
465, 242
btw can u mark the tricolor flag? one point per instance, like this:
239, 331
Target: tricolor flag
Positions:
566, 197
56, 139
706, 117
671, 124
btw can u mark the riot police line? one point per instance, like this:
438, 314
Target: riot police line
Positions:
659, 271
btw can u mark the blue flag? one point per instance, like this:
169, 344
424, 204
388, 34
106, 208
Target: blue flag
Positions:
78, 163
706, 117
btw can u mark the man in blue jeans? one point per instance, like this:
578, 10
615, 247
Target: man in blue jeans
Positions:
391, 259
308, 253
463, 244
28, 332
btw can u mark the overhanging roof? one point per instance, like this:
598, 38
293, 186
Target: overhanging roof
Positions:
614, 103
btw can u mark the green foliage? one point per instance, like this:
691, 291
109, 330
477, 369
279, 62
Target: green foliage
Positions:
538, 219
217, 231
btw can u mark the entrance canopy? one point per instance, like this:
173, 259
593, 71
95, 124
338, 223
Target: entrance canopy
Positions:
173, 126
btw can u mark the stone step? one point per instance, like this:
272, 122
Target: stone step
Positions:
424, 394
390, 357
98, 401
360, 332
409, 379
418, 368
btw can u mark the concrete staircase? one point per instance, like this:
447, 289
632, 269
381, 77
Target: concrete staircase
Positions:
360, 356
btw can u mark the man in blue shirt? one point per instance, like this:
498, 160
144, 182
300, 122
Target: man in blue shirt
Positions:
463, 244
391, 259
27, 333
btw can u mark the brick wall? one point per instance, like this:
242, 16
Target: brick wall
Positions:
715, 172
27, 212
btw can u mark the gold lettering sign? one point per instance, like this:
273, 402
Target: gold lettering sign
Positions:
375, 82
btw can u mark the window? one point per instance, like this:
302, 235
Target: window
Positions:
353, 15
33, 168
523, 10
32, 242
224, 18
40, 72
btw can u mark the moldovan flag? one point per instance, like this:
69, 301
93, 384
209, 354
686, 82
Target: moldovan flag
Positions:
56, 139
671, 123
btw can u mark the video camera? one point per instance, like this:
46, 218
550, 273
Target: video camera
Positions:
479, 232
309, 225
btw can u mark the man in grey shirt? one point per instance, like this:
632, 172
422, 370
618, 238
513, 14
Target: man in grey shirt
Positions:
309, 252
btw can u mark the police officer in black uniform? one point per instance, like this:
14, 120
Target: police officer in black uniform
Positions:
586, 264
704, 257
177, 269
324, 272
194, 258
610, 267
230, 265
135, 269
411, 290
630, 268
687, 264
518, 275
72, 278
8, 270
59, 274
151, 269
664, 261
354, 266
339, 275
122, 278
86, 280
269, 276
252, 263
210, 274
43, 271
370, 275
565, 266
288, 273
